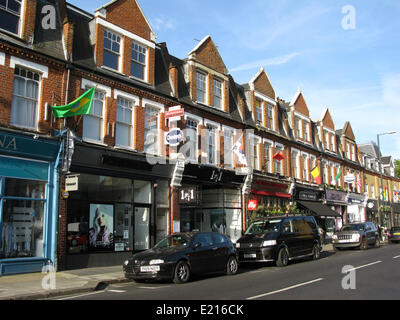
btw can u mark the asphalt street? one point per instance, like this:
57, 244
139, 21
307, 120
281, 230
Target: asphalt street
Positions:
371, 274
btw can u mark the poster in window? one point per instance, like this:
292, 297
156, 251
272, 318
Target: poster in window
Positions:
101, 226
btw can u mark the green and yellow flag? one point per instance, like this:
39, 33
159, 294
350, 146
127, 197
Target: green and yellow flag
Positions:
79, 107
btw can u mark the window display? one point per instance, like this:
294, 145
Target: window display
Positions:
102, 216
21, 231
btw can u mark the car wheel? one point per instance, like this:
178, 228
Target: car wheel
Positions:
364, 244
232, 266
283, 258
316, 253
377, 243
182, 273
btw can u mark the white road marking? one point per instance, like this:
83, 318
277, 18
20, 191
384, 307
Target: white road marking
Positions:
81, 295
364, 266
153, 288
117, 291
396, 257
285, 289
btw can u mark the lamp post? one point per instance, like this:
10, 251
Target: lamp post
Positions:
381, 174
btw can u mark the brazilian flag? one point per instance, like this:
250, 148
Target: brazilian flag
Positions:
79, 107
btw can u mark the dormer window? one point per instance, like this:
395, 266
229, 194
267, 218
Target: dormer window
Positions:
138, 66
218, 94
259, 113
112, 50
10, 15
201, 85
270, 117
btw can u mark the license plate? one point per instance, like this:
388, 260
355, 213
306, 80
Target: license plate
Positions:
150, 269
346, 241
250, 256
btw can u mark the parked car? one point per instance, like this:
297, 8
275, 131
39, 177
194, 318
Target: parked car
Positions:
180, 255
394, 235
355, 235
280, 239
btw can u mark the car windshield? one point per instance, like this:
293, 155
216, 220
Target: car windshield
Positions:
172, 241
353, 227
260, 227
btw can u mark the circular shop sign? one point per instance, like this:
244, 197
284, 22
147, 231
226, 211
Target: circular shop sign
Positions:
174, 137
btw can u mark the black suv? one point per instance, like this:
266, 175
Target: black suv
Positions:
280, 239
357, 235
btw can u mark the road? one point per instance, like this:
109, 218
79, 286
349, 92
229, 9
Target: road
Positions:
372, 274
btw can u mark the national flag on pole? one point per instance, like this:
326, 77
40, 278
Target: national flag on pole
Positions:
316, 175
338, 176
79, 107
239, 151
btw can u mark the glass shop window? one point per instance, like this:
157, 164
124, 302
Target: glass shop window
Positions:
21, 230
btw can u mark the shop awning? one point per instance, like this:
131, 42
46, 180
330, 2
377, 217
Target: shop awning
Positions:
318, 209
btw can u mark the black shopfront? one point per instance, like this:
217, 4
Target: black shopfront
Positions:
118, 203
311, 201
210, 199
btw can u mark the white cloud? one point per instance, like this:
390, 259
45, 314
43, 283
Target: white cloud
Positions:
276, 61
162, 22
391, 90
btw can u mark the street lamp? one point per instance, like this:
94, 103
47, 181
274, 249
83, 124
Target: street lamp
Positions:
381, 173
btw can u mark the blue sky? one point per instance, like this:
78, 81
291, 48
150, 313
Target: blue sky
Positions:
302, 44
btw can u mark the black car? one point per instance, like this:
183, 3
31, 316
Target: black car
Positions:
394, 235
357, 235
178, 256
280, 239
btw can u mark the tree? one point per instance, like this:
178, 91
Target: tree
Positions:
397, 168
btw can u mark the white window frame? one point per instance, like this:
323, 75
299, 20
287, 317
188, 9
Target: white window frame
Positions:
146, 63
39, 94
215, 96
201, 74
269, 143
195, 157
20, 20
216, 128
278, 147
228, 151
160, 109
306, 170
135, 101
120, 53
296, 169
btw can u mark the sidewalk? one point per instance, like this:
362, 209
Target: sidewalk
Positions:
29, 286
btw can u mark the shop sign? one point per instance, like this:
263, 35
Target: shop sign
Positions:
72, 183
336, 196
350, 178
174, 113
307, 196
64, 194
252, 205
174, 137
188, 195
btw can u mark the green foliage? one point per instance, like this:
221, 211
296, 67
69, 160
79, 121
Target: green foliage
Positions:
397, 168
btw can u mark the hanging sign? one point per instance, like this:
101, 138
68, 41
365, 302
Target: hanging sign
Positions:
174, 137
252, 205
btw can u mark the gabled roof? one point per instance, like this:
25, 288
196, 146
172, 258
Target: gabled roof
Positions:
326, 119
299, 104
206, 52
348, 131
265, 85
141, 11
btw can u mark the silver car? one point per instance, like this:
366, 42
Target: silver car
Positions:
357, 235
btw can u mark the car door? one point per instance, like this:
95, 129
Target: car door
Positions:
221, 251
203, 252
289, 237
371, 233
300, 229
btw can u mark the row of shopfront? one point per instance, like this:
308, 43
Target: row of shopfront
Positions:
113, 203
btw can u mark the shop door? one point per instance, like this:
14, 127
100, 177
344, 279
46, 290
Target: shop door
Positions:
141, 228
